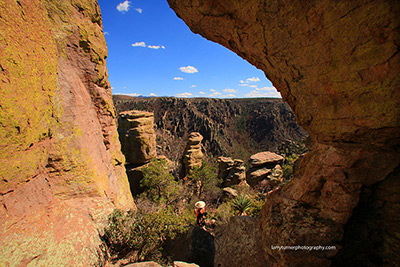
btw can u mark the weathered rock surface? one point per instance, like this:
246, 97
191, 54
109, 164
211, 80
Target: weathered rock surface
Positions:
61, 168
231, 172
144, 264
193, 155
137, 136
264, 158
237, 243
264, 168
336, 64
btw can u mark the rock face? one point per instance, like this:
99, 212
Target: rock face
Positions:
336, 64
236, 127
231, 172
193, 156
137, 136
237, 243
265, 168
61, 168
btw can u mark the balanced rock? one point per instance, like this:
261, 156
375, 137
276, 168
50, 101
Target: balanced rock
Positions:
137, 136
232, 172
265, 167
265, 157
193, 155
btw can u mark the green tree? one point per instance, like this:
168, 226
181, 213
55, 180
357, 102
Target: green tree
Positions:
206, 180
160, 186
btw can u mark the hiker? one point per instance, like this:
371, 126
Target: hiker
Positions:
200, 212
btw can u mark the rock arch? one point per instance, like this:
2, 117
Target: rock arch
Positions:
337, 65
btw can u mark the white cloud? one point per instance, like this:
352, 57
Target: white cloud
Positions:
202, 93
185, 94
229, 90
139, 10
192, 86
141, 44
257, 93
253, 79
153, 94
124, 6
215, 94
241, 81
243, 84
253, 86
188, 69
131, 94
212, 90
178, 78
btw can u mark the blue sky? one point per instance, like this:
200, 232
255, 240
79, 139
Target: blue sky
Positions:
151, 52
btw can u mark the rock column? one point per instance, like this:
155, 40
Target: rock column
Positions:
232, 172
137, 136
193, 155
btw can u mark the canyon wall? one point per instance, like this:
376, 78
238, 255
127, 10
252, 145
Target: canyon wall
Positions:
61, 168
337, 65
236, 128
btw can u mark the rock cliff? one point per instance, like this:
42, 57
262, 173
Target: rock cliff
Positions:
236, 128
61, 168
336, 64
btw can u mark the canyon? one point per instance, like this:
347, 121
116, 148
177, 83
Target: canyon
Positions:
335, 63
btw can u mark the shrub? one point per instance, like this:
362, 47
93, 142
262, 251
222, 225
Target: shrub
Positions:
242, 205
139, 236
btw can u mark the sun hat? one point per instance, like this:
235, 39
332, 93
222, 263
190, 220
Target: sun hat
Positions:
200, 204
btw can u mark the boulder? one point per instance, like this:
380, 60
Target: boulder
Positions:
264, 158
229, 192
193, 156
137, 136
144, 264
184, 264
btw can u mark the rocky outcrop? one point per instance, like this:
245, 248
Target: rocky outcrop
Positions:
337, 67
61, 168
193, 155
237, 243
264, 169
231, 172
137, 136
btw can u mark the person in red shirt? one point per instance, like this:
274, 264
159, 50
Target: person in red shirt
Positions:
200, 212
